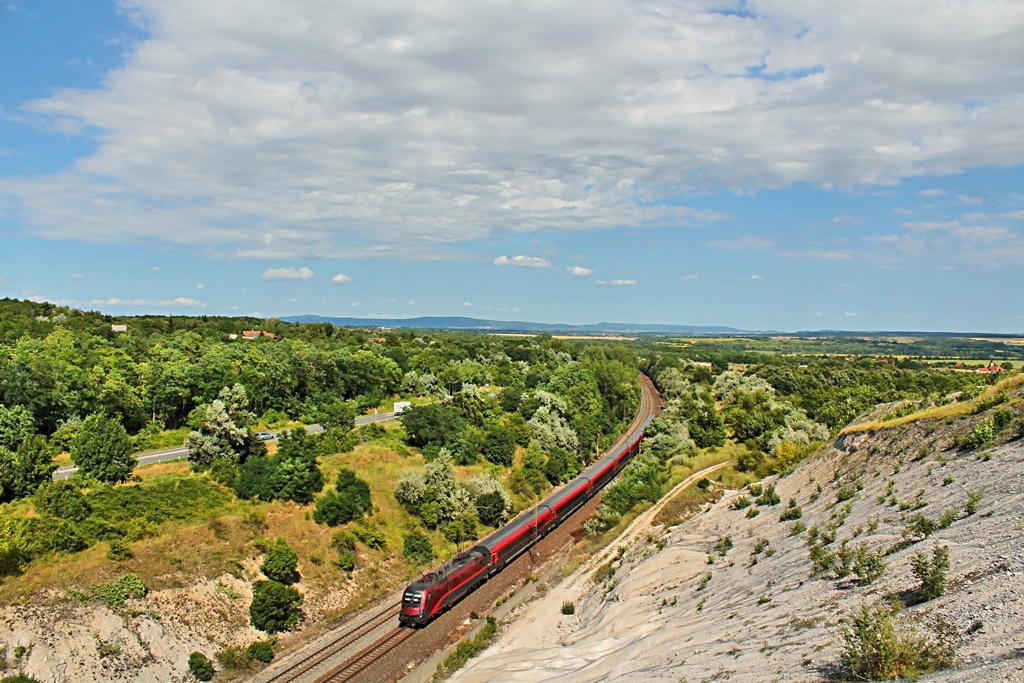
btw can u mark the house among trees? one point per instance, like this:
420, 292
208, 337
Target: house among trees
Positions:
992, 367
256, 334
118, 328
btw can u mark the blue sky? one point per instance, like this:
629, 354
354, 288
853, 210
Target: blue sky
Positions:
763, 165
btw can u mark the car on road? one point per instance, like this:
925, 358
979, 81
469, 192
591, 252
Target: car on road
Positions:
266, 436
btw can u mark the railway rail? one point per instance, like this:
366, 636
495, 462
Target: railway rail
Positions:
358, 664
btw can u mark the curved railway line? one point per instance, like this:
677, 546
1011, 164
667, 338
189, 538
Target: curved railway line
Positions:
307, 664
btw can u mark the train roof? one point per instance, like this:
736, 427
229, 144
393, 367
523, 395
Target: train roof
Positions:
448, 567
568, 491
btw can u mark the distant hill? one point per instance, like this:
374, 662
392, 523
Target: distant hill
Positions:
462, 323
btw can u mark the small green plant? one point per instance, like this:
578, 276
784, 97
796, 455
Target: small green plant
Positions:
846, 492
700, 604
568, 607
763, 600
466, 649
755, 489
920, 526
740, 503
947, 518
704, 580
752, 512
973, 498
947, 480
817, 493
724, 545
115, 594
931, 574
792, 512
867, 565
769, 496
822, 560
872, 525
797, 528
761, 544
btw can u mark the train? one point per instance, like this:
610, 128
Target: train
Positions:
444, 585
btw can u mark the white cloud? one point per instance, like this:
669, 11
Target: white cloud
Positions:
279, 130
466, 303
355, 303
293, 300
616, 282
155, 269
521, 261
410, 302
272, 274
200, 286
690, 278
755, 276
181, 301
823, 255
848, 314
114, 301
968, 199
744, 243
580, 271
340, 279
77, 276
934, 192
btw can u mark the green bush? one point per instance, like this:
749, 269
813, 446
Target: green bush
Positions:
280, 562
343, 541
371, 536
740, 503
118, 550
63, 499
468, 648
568, 607
350, 500
274, 607
873, 648
921, 526
417, 548
200, 666
234, 658
346, 561
261, 651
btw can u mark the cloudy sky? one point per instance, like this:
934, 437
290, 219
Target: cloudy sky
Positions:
759, 164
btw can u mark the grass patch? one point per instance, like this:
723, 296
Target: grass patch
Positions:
940, 412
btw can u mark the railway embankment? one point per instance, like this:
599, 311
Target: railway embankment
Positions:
760, 585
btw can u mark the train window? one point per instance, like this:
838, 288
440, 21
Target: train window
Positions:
412, 599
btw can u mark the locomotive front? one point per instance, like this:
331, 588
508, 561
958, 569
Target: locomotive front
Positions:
414, 611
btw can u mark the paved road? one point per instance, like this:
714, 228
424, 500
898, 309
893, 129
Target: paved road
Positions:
181, 452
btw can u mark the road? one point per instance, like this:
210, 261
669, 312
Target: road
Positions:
180, 453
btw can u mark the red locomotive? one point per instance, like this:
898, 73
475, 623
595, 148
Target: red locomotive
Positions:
443, 586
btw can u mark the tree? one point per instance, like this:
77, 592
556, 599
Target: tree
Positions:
280, 562
200, 666
32, 467
274, 607
16, 425
218, 437
417, 548
350, 500
499, 446
103, 450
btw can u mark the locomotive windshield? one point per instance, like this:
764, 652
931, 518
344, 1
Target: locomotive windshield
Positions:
412, 598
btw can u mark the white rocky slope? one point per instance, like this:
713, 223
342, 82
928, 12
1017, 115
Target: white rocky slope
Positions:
770, 621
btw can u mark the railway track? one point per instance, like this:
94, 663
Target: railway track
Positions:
304, 663
357, 664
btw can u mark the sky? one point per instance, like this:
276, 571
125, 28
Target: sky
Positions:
758, 164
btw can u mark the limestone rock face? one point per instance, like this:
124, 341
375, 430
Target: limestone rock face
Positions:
760, 616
